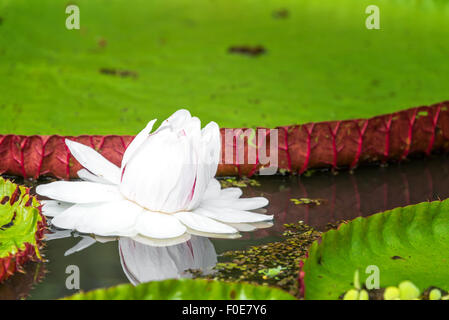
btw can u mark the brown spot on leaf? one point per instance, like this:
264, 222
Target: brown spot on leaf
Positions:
29, 202
4, 200
9, 224
102, 43
117, 72
247, 50
15, 196
281, 14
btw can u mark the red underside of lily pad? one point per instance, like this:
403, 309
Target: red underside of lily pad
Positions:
13, 263
333, 144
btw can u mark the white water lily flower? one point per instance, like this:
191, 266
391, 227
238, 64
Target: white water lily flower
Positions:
164, 191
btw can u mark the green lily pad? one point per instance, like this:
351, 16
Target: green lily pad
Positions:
132, 61
185, 289
409, 243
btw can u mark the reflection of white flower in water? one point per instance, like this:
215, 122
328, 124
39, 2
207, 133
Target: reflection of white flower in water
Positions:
164, 191
143, 263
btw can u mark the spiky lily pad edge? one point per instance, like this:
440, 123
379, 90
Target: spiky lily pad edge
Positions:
24, 252
318, 145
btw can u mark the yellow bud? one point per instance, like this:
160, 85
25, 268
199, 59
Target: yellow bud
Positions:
408, 291
351, 295
391, 293
363, 295
435, 294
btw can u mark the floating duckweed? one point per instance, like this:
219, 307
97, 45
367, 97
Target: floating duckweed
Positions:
391, 293
435, 294
408, 291
309, 173
241, 183
271, 272
308, 201
352, 294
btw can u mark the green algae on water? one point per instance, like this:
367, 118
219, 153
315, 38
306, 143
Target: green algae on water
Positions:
274, 264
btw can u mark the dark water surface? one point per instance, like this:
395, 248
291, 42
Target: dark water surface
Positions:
343, 196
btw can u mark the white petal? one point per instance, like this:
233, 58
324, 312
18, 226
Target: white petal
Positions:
251, 226
171, 169
87, 176
161, 242
215, 235
160, 176
213, 190
58, 234
208, 149
175, 122
159, 226
187, 180
245, 227
231, 215
191, 128
84, 243
79, 191
70, 217
137, 142
94, 162
211, 138
52, 208
203, 224
262, 224
231, 193
238, 204
179, 118
104, 239
200, 187
115, 218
